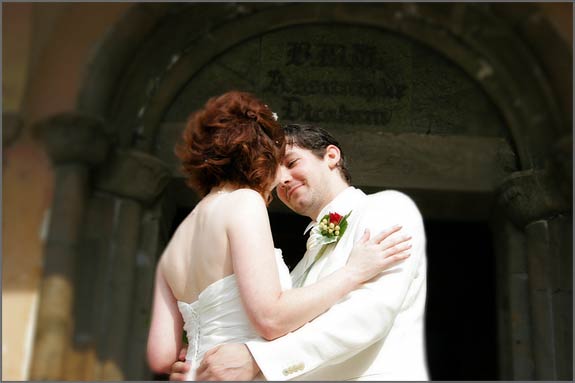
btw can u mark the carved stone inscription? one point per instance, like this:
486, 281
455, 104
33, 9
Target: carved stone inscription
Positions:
295, 87
335, 55
345, 78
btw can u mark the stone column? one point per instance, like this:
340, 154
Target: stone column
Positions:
75, 143
535, 201
134, 180
513, 314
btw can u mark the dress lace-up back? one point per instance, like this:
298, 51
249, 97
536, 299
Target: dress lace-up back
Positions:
191, 325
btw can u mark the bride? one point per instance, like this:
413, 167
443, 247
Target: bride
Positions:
220, 278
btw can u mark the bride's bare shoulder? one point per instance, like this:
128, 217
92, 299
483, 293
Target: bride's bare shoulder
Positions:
245, 204
246, 195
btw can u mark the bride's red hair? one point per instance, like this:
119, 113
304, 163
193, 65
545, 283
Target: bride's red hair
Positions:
234, 138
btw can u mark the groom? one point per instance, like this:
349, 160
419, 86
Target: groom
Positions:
377, 331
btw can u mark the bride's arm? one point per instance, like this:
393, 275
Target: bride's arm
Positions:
272, 312
165, 335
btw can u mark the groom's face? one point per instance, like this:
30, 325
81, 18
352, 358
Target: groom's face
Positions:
302, 181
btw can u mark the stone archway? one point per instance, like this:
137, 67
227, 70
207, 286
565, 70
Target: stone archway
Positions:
446, 98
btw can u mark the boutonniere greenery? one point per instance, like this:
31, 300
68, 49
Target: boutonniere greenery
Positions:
330, 229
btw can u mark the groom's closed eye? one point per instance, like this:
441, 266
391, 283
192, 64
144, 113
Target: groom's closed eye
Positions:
291, 163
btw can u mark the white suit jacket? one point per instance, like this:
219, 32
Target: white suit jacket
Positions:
377, 331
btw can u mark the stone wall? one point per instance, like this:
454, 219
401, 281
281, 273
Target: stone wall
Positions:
424, 92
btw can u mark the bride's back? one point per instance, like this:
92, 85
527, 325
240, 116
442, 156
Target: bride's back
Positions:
233, 142
198, 253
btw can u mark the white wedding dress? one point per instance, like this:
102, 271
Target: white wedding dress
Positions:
218, 316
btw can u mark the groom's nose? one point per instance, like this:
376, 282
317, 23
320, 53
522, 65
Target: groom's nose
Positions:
284, 176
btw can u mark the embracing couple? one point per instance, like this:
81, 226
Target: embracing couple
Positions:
353, 307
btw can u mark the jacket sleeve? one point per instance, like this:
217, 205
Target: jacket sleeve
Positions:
364, 316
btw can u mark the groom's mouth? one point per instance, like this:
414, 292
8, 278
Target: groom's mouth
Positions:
292, 190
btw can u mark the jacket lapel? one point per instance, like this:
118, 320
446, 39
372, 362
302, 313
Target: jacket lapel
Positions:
335, 256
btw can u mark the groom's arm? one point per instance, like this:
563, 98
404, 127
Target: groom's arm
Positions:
362, 318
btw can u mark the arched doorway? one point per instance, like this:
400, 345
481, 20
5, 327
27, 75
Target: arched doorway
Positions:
423, 100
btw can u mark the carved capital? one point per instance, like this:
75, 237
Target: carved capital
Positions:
73, 137
531, 195
134, 174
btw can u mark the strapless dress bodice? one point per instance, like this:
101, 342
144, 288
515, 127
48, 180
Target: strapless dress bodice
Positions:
218, 316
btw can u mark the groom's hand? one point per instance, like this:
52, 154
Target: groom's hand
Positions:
231, 361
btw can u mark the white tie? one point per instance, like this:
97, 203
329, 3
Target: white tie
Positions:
313, 240
312, 245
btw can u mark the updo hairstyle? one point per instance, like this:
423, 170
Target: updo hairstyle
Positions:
234, 138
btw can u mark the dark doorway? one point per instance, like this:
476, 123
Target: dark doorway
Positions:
461, 306
287, 229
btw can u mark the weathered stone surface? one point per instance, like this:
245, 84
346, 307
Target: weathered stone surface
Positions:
513, 311
74, 137
427, 162
409, 160
94, 320
11, 128
545, 256
540, 300
150, 245
561, 166
54, 328
560, 257
55, 314
133, 174
348, 77
71, 190
531, 195
118, 290
79, 364
104, 72
90, 310
213, 48
531, 22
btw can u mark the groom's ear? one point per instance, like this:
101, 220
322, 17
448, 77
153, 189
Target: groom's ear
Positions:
332, 156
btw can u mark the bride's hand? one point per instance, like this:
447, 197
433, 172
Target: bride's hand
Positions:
369, 257
180, 367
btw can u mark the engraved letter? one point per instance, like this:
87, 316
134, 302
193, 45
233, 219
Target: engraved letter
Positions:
298, 53
277, 83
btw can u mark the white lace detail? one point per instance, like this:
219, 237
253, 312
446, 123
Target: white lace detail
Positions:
192, 327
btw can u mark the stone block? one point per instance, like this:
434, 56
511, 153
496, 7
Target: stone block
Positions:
133, 174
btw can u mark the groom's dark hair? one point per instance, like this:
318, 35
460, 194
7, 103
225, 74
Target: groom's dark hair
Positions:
316, 140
